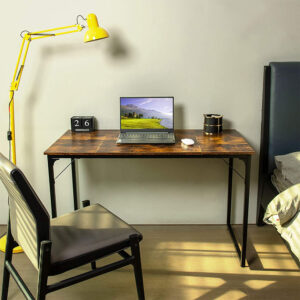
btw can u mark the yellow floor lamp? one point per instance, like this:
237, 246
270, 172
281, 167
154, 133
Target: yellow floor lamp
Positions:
93, 33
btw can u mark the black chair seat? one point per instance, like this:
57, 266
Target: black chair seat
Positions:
77, 237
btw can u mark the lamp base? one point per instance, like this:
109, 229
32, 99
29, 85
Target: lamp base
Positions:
3, 245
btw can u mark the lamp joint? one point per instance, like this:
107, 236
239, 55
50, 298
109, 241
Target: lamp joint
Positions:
27, 37
14, 86
80, 27
9, 135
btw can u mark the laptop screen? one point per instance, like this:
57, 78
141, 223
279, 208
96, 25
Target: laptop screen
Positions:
147, 113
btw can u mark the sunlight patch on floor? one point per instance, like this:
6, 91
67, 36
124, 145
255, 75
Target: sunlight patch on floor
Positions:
233, 294
228, 246
258, 284
195, 256
277, 260
203, 282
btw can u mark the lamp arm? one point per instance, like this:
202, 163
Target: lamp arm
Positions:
27, 38
46, 33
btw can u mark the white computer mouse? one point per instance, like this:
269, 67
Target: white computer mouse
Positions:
188, 142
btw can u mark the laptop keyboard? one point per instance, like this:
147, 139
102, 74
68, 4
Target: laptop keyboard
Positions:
146, 137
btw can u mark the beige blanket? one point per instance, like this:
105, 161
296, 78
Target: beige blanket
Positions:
290, 231
283, 212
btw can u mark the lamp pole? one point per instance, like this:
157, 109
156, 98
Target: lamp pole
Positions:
93, 33
27, 38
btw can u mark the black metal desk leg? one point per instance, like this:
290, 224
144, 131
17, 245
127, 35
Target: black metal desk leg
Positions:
230, 168
74, 183
229, 201
247, 161
51, 162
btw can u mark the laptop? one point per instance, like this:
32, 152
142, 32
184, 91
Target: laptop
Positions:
146, 120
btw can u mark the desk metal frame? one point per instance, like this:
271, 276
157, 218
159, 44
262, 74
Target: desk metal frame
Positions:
245, 158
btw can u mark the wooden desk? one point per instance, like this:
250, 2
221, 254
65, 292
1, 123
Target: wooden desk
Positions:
102, 144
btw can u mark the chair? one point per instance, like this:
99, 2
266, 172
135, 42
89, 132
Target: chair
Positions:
63, 243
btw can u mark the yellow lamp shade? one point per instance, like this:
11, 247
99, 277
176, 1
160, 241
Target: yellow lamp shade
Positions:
94, 32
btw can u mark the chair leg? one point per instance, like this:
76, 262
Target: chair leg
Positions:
44, 263
10, 244
135, 250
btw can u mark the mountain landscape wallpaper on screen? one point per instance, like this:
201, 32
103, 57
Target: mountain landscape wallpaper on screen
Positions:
146, 113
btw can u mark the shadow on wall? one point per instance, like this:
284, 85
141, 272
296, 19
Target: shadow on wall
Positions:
227, 124
179, 116
117, 49
157, 186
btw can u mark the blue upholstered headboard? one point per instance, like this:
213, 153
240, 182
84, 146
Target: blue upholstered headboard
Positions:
284, 110
280, 128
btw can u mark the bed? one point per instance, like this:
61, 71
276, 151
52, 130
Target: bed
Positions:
280, 129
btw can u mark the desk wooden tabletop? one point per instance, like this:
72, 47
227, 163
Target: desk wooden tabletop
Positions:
103, 143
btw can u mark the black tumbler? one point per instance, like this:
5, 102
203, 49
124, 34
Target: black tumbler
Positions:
212, 124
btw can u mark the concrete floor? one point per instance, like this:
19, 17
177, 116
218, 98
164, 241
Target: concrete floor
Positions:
184, 262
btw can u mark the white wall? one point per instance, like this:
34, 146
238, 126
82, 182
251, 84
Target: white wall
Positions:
209, 54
